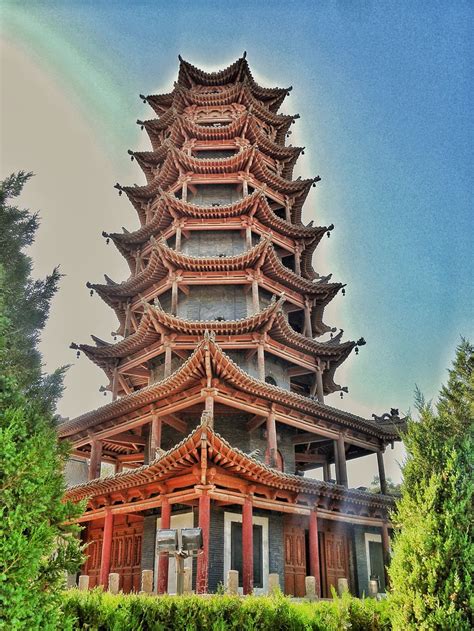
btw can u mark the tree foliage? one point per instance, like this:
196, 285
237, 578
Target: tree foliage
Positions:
393, 488
433, 552
36, 548
25, 300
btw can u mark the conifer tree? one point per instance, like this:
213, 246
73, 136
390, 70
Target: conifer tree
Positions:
433, 552
36, 548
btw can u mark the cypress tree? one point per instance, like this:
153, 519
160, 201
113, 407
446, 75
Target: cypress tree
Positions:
433, 551
36, 547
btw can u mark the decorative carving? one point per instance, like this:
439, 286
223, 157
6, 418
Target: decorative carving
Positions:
392, 416
206, 419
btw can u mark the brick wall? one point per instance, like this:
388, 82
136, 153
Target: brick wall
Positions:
215, 243
76, 471
209, 194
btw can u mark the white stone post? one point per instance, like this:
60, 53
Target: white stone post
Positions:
233, 582
342, 586
147, 581
114, 582
310, 587
83, 583
273, 584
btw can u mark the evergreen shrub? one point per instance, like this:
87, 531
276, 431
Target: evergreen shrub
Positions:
101, 611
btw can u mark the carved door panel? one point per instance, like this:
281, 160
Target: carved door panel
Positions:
125, 556
295, 560
336, 559
93, 551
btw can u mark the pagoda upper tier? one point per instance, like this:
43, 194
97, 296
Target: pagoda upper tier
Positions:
220, 238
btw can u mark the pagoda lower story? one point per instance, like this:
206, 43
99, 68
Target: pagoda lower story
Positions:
220, 379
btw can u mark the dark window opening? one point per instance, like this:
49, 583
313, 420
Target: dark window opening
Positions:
214, 153
376, 563
289, 262
296, 320
270, 380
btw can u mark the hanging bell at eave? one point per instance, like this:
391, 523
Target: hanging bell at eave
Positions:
343, 291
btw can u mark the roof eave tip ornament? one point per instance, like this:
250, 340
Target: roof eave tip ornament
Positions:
244, 56
119, 187
143, 98
342, 390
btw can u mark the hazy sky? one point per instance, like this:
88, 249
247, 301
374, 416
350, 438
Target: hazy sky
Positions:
383, 92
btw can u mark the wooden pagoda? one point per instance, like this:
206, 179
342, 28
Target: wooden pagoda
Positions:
219, 378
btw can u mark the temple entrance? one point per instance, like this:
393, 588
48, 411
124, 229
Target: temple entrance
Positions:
125, 558
295, 557
336, 555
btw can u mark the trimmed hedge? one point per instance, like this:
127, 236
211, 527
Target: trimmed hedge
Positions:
102, 611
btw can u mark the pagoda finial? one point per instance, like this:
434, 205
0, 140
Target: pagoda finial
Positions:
244, 56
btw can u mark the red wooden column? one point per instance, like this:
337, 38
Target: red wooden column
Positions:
95, 459
106, 548
247, 547
272, 439
261, 361
314, 550
163, 561
155, 436
203, 557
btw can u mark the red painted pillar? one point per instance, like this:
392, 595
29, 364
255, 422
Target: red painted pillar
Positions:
203, 557
247, 547
314, 549
163, 561
106, 548
95, 459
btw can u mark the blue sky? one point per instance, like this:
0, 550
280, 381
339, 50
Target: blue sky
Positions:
383, 91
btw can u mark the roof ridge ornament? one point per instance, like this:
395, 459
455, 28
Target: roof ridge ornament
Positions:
206, 419
209, 336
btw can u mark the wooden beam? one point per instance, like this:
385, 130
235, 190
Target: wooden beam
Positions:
307, 437
254, 422
127, 437
175, 422
316, 458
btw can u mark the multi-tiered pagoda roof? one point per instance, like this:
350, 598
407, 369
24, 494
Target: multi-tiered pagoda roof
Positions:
223, 312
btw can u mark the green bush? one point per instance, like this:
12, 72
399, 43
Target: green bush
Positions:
99, 611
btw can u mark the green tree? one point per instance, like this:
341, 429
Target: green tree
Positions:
433, 551
393, 488
36, 547
25, 300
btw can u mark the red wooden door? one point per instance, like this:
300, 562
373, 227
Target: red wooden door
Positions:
295, 560
125, 558
336, 559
